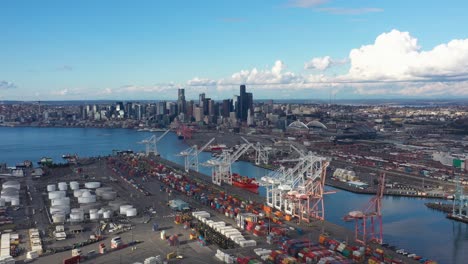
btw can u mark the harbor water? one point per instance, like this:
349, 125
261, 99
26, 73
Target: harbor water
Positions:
408, 223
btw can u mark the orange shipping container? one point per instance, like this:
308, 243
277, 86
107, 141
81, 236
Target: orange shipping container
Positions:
322, 239
267, 209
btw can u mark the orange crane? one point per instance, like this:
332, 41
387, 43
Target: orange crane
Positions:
368, 222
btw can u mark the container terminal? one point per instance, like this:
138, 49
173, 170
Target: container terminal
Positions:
139, 208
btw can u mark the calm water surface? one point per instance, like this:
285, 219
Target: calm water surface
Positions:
407, 222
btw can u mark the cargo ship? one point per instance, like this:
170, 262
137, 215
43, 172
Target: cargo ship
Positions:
217, 147
250, 184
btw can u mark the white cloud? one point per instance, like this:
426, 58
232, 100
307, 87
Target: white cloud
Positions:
201, 82
394, 64
306, 3
106, 91
275, 75
147, 89
323, 63
436, 89
319, 63
396, 56
7, 85
62, 92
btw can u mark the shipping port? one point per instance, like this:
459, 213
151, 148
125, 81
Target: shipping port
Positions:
139, 205
160, 212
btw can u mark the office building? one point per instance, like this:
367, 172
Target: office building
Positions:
181, 104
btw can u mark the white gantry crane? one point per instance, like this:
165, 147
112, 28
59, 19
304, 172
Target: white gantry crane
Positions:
305, 199
261, 152
460, 202
221, 166
191, 156
278, 183
298, 191
151, 143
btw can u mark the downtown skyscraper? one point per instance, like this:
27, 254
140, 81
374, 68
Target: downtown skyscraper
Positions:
244, 104
181, 104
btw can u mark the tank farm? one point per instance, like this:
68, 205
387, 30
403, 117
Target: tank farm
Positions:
266, 235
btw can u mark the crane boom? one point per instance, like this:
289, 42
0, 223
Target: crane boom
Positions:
239, 152
160, 137
205, 146
298, 150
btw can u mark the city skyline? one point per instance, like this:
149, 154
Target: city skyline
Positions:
283, 49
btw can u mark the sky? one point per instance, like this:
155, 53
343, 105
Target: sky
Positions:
281, 49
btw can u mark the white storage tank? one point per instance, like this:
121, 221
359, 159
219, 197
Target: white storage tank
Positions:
93, 216
100, 191
105, 208
92, 185
58, 218
131, 212
87, 199
61, 201
11, 184
62, 186
15, 202
109, 195
56, 194
9, 191
76, 217
107, 214
77, 193
77, 211
86, 193
74, 185
64, 209
124, 208
51, 188
9, 194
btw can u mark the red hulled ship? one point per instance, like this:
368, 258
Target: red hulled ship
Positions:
243, 182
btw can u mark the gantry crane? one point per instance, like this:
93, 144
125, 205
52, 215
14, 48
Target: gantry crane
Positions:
278, 183
298, 191
371, 213
460, 201
151, 143
221, 166
191, 156
261, 152
305, 199
184, 132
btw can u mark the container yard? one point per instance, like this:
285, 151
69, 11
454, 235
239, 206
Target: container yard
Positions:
133, 207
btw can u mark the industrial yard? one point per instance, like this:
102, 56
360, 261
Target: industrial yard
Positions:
131, 207
78, 210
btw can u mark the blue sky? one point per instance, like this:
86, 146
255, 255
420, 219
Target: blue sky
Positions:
57, 50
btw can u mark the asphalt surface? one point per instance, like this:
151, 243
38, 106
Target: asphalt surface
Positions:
151, 244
